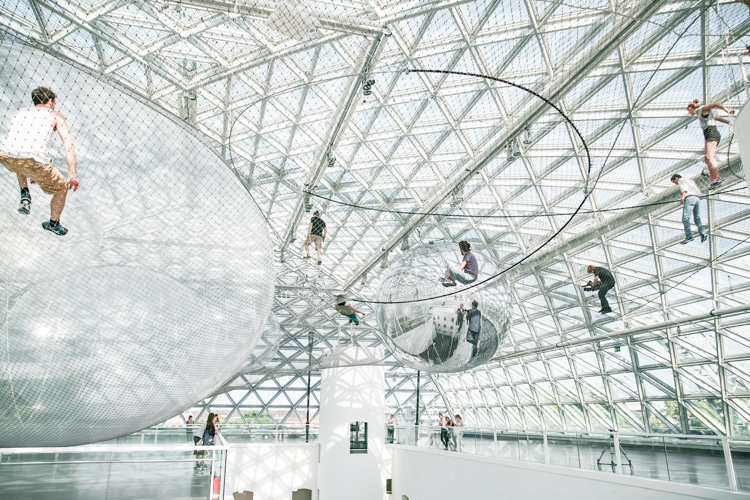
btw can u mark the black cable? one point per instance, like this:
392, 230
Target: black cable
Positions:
548, 240
470, 216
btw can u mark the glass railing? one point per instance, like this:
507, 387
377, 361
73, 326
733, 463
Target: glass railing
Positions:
103, 470
708, 461
155, 463
278, 433
233, 433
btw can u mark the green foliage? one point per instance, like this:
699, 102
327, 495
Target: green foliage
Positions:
265, 418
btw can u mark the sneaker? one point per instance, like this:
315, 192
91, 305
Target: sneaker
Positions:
686, 241
306, 257
25, 206
58, 229
320, 262
447, 282
715, 183
703, 238
607, 310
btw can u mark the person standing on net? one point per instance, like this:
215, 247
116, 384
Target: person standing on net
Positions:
25, 152
316, 233
690, 202
707, 118
474, 320
466, 272
607, 283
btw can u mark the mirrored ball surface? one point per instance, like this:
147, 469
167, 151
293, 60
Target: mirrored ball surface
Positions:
431, 335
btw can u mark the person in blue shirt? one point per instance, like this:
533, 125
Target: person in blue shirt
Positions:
466, 272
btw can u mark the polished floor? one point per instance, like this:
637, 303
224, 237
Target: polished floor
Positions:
104, 481
698, 462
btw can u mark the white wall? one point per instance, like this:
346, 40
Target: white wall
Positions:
424, 474
350, 394
742, 135
272, 471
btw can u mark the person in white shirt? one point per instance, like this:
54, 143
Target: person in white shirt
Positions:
25, 152
691, 202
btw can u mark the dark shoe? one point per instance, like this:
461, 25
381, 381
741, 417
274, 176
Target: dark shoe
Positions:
703, 238
25, 206
606, 310
320, 262
306, 257
716, 183
447, 282
58, 229
686, 241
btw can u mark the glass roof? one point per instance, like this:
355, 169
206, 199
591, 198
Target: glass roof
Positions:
546, 130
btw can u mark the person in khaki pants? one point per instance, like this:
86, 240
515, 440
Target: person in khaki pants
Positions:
316, 234
25, 153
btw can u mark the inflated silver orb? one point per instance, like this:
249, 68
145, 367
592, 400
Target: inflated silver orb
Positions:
159, 292
431, 335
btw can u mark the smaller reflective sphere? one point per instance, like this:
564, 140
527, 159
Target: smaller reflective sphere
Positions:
431, 335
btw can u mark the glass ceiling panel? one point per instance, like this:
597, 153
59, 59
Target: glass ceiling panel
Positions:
288, 112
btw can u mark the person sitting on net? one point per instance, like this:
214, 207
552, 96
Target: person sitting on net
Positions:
346, 309
466, 272
606, 281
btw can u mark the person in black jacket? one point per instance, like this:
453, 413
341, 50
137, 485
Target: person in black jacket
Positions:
606, 282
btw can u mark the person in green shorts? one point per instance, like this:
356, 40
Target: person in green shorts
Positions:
343, 307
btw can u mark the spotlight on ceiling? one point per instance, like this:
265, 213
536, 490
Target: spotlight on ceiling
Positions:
367, 87
513, 150
527, 136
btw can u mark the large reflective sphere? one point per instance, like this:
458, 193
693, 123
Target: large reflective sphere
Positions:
159, 292
431, 335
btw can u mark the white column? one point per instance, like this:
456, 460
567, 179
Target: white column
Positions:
742, 136
352, 390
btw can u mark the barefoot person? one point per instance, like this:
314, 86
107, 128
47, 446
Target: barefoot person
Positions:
346, 309
466, 272
25, 153
707, 118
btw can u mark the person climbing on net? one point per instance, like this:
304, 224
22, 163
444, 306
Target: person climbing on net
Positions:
603, 281
25, 153
348, 310
466, 272
707, 118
